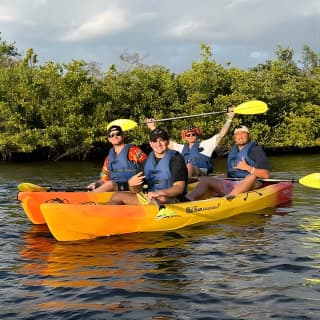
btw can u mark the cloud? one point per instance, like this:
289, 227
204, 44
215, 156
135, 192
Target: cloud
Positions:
11, 16
4, 18
258, 55
243, 32
109, 21
186, 29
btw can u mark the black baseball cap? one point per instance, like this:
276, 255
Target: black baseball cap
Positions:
115, 128
158, 133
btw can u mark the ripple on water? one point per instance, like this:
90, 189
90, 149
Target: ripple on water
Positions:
248, 267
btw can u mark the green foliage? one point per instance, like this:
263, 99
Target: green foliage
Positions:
65, 109
8, 52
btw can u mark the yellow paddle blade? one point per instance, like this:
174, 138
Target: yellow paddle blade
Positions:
311, 180
125, 124
313, 281
30, 187
251, 107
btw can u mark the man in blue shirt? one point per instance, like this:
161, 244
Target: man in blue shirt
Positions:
164, 174
246, 161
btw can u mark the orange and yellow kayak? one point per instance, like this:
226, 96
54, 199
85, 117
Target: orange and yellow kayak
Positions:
31, 201
77, 221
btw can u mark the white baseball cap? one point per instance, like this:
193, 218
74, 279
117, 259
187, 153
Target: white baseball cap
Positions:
241, 128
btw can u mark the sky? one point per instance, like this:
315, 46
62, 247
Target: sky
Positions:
166, 32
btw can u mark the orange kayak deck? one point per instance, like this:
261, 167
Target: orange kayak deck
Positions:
78, 221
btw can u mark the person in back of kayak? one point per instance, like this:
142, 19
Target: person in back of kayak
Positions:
197, 154
164, 176
122, 162
246, 161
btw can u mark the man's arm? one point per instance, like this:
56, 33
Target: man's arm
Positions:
136, 182
262, 168
104, 176
176, 190
258, 172
209, 145
225, 127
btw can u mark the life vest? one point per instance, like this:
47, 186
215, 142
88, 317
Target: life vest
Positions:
121, 169
235, 156
158, 175
196, 158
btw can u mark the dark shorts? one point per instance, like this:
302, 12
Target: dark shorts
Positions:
228, 185
122, 186
203, 171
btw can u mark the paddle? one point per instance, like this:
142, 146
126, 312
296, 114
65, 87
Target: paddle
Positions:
125, 124
163, 211
246, 108
311, 180
144, 200
30, 187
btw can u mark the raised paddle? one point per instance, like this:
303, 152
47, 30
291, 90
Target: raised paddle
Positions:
30, 187
125, 124
246, 108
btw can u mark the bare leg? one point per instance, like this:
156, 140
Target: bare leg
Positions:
206, 184
105, 187
247, 184
124, 197
193, 171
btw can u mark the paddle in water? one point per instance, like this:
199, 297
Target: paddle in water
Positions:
311, 180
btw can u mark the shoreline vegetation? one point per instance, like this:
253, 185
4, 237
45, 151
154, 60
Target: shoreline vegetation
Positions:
55, 111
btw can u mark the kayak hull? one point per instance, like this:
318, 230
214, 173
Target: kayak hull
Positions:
31, 201
76, 221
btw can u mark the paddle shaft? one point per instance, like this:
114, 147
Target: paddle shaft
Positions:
313, 183
267, 180
185, 117
311, 180
68, 189
263, 180
158, 203
30, 187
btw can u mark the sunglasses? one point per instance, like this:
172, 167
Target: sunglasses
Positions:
116, 134
190, 135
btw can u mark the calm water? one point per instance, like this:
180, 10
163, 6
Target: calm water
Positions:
250, 267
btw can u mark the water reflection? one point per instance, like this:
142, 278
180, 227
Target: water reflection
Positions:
133, 273
125, 261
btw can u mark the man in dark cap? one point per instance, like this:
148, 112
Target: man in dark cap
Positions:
122, 162
164, 174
